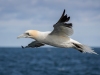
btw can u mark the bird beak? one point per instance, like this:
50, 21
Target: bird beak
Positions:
23, 36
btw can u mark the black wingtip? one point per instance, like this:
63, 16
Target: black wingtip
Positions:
22, 47
63, 18
64, 11
68, 18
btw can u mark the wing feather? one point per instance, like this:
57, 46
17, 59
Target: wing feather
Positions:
62, 28
34, 44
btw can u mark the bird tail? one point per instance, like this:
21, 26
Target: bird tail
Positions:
82, 48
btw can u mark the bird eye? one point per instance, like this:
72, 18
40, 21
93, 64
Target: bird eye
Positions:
27, 34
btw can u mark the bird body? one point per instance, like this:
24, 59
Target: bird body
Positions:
54, 40
59, 37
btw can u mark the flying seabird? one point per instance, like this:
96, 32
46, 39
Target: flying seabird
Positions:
59, 37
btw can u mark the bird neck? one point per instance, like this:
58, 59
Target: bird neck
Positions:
41, 36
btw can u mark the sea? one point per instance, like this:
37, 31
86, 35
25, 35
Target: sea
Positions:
48, 61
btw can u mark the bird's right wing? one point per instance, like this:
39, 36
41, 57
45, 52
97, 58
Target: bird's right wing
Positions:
62, 28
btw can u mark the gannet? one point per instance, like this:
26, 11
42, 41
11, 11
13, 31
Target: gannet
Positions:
59, 37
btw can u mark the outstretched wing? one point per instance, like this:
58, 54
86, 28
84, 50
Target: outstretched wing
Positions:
34, 44
61, 27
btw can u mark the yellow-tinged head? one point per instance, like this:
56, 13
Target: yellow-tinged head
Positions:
29, 34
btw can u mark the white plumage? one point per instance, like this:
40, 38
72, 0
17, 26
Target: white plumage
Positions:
59, 37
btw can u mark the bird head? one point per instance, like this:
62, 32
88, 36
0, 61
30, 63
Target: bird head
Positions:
29, 34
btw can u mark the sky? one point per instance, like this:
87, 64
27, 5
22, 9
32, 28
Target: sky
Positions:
17, 16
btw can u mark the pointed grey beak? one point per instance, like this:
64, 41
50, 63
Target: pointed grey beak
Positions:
23, 36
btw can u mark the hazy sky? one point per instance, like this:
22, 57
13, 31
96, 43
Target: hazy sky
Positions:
17, 16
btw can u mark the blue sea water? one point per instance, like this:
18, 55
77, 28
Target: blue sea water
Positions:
48, 61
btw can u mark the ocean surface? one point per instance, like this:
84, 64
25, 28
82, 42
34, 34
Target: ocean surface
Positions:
48, 61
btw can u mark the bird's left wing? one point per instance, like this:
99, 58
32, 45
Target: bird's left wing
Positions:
61, 27
34, 44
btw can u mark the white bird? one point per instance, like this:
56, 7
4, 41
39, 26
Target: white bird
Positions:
59, 37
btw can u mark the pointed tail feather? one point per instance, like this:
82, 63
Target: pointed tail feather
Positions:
84, 48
